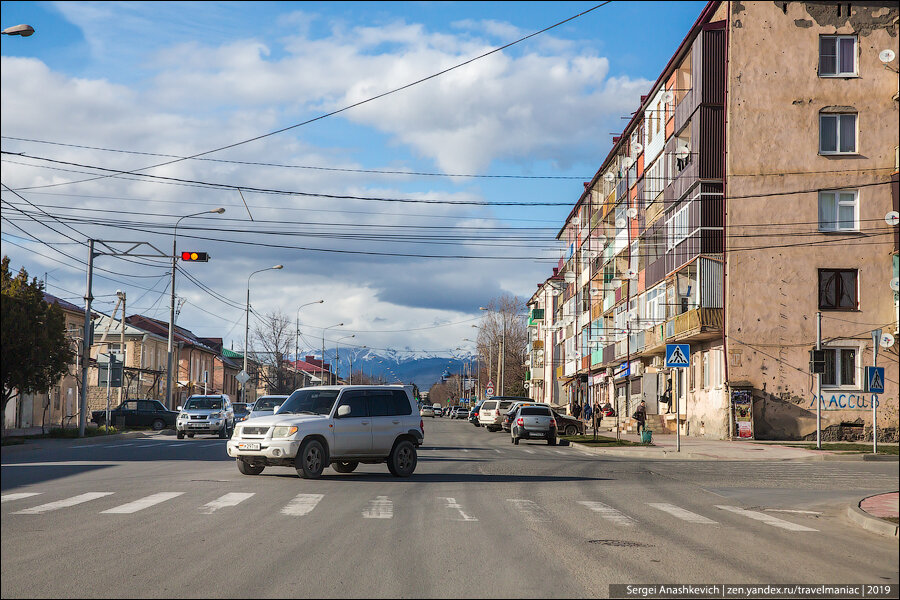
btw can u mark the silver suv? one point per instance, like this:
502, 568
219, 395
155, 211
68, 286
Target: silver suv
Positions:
205, 414
340, 426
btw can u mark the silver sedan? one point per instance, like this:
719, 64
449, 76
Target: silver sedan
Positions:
533, 422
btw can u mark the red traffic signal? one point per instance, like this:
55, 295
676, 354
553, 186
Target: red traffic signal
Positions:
195, 256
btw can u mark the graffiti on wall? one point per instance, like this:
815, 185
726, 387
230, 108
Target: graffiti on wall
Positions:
845, 402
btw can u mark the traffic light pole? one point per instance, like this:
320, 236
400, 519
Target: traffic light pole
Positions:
171, 338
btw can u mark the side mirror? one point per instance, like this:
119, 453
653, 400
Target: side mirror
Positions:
275, 410
343, 411
178, 407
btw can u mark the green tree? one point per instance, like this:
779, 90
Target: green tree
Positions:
35, 351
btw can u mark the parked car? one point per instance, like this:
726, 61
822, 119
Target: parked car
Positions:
473, 415
491, 414
568, 425
241, 411
427, 411
531, 422
205, 414
340, 426
138, 413
265, 406
508, 417
461, 413
438, 411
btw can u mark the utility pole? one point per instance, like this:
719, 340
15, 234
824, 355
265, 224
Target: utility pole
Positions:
86, 351
818, 384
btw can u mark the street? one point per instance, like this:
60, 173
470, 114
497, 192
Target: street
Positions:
160, 517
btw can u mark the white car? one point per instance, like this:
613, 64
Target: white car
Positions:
341, 426
265, 406
427, 411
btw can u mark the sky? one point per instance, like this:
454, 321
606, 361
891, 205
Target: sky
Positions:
368, 147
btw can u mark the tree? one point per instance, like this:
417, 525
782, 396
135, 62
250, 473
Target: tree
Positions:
504, 322
35, 350
273, 335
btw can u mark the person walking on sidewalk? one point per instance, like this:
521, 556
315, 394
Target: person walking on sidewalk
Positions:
640, 415
587, 412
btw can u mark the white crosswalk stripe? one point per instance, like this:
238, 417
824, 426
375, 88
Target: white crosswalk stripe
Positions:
452, 503
767, 519
609, 513
530, 510
302, 504
147, 502
66, 503
380, 508
10, 497
231, 499
681, 513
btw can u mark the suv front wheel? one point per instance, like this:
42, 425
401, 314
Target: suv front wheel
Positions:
403, 459
311, 459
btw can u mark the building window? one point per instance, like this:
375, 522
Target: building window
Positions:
838, 289
705, 368
840, 367
837, 133
839, 210
837, 55
679, 227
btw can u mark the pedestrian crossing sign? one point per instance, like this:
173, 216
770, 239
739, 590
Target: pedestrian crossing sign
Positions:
875, 378
678, 355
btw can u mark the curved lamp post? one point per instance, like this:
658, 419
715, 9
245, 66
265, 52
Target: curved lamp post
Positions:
297, 336
322, 372
247, 329
337, 355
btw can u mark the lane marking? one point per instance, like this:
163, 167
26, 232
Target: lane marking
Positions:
528, 451
609, 513
302, 504
798, 512
380, 508
452, 503
682, 513
530, 510
133, 507
767, 519
63, 503
230, 499
10, 497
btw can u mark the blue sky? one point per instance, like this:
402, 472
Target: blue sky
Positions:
179, 79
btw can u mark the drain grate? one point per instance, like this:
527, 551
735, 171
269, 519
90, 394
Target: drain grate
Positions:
621, 543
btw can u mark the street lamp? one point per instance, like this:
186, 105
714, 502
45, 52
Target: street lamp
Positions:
297, 337
247, 330
322, 372
477, 365
22, 30
337, 355
172, 302
502, 348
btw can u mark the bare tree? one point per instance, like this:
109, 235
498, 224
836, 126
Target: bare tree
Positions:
273, 340
503, 326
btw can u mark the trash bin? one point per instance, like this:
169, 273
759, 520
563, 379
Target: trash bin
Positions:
646, 436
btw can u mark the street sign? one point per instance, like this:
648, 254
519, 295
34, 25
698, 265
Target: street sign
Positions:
489, 390
875, 379
678, 355
110, 371
242, 377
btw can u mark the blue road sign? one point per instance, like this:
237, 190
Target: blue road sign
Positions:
678, 355
875, 378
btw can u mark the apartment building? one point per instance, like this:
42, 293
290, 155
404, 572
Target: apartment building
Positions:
751, 193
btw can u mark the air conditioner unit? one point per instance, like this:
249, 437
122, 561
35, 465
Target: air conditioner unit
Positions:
658, 362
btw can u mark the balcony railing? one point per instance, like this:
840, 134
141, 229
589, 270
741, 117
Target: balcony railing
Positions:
694, 322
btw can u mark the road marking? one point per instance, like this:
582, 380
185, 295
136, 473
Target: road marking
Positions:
532, 511
559, 451
528, 451
608, 512
380, 508
682, 513
63, 503
498, 451
302, 504
10, 497
231, 499
767, 519
465, 449
147, 445
133, 507
798, 512
452, 503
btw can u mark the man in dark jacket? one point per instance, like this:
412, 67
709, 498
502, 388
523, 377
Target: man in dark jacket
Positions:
640, 415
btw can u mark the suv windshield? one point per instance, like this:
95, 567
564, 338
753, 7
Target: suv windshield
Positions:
311, 401
203, 403
268, 403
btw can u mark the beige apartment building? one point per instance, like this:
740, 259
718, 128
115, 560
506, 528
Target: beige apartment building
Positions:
754, 190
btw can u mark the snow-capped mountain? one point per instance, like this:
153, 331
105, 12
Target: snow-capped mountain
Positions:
405, 365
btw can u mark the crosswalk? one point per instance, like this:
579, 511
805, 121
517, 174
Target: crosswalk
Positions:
383, 507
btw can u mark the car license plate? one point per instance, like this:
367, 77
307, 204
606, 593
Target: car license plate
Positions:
536, 433
198, 425
248, 446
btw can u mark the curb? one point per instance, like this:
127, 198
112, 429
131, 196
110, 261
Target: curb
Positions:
870, 523
44, 442
661, 454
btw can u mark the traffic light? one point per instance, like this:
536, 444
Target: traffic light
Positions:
195, 256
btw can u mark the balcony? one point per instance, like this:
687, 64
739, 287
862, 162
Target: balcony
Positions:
697, 324
655, 339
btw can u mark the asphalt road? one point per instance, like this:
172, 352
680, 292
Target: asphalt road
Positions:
160, 517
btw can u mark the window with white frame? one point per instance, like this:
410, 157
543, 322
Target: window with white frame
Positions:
706, 373
678, 227
839, 210
655, 305
837, 55
837, 133
840, 367
653, 182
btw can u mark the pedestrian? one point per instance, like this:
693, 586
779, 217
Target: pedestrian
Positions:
667, 397
640, 415
576, 410
587, 411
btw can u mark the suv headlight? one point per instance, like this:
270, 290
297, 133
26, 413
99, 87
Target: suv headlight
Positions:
283, 431
216, 415
183, 416
237, 432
